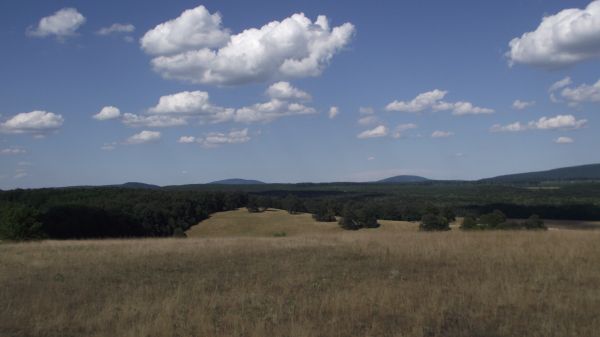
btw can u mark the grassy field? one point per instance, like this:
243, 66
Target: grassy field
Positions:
240, 223
394, 281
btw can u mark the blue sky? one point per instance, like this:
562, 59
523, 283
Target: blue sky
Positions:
192, 92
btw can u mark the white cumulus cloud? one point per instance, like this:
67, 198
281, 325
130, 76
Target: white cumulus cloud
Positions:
582, 93
378, 131
12, 151
35, 122
117, 28
402, 128
153, 121
433, 100
521, 105
564, 140
441, 134
560, 84
107, 112
368, 120
144, 137
215, 139
62, 24
333, 112
194, 29
284, 90
187, 139
560, 122
195, 48
565, 38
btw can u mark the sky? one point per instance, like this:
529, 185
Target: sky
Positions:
180, 92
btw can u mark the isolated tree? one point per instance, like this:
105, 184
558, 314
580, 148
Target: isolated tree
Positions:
18, 222
292, 204
449, 214
534, 222
432, 222
252, 205
469, 223
492, 220
349, 219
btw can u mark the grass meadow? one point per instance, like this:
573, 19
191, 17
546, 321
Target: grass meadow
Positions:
391, 281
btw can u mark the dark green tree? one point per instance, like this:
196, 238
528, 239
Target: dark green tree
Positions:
469, 223
432, 222
19, 222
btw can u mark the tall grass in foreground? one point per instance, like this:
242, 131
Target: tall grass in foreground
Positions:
350, 284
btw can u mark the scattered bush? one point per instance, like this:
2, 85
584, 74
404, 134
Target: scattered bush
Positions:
19, 222
432, 222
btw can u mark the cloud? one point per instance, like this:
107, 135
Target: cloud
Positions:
379, 131
565, 38
568, 122
144, 137
157, 121
35, 122
109, 146
187, 139
20, 173
194, 29
366, 110
268, 111
513, 127
371, 158
333, 112
581, 94
116, 28
441, 134
560, 84
215, 139
426, 100
186, 102
285, 91
564, 140
521, 105
368, 120
12, 151
181, 108
195, 48
432, 100
467, 108
108, 112
62, 24
400, 129
560, 122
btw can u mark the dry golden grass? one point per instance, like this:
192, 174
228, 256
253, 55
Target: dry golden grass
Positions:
365, 283
241, 223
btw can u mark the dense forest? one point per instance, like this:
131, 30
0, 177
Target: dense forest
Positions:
134, 211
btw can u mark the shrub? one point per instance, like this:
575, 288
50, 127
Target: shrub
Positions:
534, 222
279, 234
469, 223
18, 222
432, 222
492, 220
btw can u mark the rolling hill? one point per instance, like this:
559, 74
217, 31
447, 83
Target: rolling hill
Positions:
573, 173
403, 179
236, 181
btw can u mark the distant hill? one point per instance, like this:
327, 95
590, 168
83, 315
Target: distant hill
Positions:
236, 181
573, 173
403, 179
138, 185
